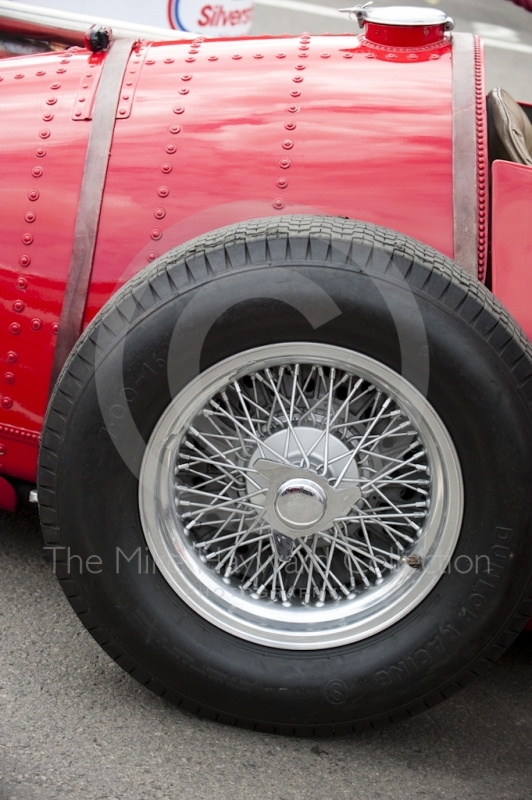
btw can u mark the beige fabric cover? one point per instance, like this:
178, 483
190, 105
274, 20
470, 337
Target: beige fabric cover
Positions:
509, 129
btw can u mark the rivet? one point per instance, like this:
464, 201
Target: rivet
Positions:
125, 97
174, 128
61, 70
193, 50
44, 134
163, 191
2, 450
369, 55
189, 59
258, 55
55, 85
9, 378
129, 83
303, 46
40, 152
12, 357
434, 56
47, 117
168, 60
29, 216
51, 101
19, 75
290, 126
295, 93
18, 306
159, 213
280, 55
1, 78
27, 238
284, 163
22, 283
15, 328
288, 144
325, 55
40, 73
171, 148
77, 113
303, 55
278, 203
186, 77
55, 327
297, 78
293, 109
166, 167
212, 58
122, 111
33, 195
237, 56
7, 402
24, 261
150, 61
390, 56
152, 255
300, 66
178, 110
156, 234
282, 183
81, 99
36, 324
348, 55
184, 90
413, 56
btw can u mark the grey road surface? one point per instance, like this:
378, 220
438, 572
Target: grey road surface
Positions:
73, 725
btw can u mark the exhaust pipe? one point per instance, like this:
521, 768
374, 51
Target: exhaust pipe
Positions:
19, 21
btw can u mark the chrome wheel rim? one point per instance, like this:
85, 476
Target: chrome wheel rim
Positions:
301, 496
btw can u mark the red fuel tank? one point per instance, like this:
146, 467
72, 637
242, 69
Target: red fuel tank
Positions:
212, 132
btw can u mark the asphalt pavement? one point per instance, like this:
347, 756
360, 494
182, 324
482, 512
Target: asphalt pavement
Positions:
73, 725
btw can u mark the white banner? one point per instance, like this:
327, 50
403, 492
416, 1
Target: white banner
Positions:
208, 17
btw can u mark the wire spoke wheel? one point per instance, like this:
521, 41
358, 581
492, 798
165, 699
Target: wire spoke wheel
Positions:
301, 496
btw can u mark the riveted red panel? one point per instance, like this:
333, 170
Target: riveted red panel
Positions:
43, 153
213, 132
222, 131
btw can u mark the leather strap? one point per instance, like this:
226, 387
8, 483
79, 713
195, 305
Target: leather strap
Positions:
90, 202
465, 152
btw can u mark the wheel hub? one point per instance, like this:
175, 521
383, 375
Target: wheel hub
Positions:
300, 503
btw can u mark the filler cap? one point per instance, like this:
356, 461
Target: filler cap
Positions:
402, 26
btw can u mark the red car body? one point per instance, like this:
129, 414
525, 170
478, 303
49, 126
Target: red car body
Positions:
116, 154
209, 133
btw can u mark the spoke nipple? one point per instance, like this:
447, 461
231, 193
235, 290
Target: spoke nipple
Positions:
287, 604
319, 604
351, 595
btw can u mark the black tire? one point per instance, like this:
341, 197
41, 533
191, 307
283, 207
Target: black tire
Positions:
480, 384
